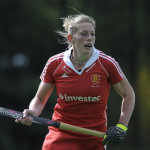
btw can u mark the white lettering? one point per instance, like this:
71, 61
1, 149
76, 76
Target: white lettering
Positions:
98, 98
94, 99
65, 97
85, 99
89, 99
79, 98
75, 98
70, 98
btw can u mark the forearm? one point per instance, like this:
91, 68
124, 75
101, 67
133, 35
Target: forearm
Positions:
36, 106
127, 108
38, 102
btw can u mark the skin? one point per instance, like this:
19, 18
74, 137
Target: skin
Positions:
37, 103
84, 34
125, 90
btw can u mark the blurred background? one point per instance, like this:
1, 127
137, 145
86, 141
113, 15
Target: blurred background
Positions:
28, 39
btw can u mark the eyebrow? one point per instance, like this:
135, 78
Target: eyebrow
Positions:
87, 31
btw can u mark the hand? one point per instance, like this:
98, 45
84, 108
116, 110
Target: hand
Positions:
27, 120
115, 135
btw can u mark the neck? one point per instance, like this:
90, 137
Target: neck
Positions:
79, 59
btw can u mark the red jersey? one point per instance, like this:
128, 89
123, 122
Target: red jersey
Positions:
82, 95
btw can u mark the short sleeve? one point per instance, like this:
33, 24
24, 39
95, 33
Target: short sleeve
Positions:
112, 69
47, 73
115, 72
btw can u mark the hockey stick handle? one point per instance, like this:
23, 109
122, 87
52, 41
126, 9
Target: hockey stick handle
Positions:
81, 130
16, 114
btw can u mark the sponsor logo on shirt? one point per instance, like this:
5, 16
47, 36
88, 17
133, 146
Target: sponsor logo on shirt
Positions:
64, 75
66, 70
79, 98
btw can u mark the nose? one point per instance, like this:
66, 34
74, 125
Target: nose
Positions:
89, 38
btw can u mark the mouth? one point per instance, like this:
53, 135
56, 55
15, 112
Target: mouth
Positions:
88, 45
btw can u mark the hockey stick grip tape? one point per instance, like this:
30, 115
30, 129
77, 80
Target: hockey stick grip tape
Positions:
45, 121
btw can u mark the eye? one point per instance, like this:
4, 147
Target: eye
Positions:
83, 34
93, 34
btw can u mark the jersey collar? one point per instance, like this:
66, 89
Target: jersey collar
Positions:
93, 58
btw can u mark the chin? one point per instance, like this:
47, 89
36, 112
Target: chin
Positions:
88, 49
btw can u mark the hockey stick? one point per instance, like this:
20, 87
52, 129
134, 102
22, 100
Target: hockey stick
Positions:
16, 114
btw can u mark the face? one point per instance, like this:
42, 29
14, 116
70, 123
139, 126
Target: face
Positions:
84, 38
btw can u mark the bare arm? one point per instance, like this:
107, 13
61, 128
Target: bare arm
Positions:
37, 103
125, 90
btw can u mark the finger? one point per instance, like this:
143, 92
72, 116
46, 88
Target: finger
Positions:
18, 120
27, 120
25, 113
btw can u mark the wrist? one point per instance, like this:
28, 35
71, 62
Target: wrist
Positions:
122, 126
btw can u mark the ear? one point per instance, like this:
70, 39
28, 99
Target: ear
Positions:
70, 38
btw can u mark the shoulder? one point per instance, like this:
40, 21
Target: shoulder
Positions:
106, 59
56, 58
110, 65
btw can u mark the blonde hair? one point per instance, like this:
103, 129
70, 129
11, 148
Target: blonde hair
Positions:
70, 25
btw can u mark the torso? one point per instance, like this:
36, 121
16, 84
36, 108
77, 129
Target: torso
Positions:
82, 95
